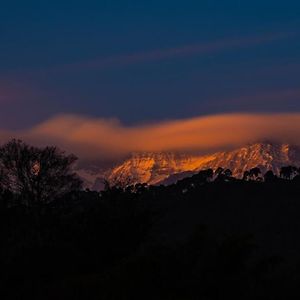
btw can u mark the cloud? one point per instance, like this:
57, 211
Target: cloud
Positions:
282, 99
12, 92
107, 140
187, 50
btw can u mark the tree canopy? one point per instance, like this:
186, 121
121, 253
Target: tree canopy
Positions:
37, 174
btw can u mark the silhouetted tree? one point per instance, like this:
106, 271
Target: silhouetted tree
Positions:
246, 175
288, 172
228, 173
219, 171
270, 176
37, 174
223, 174
219, 174
254, 173
205, 175
118, 182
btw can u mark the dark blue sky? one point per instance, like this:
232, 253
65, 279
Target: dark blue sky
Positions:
142, 61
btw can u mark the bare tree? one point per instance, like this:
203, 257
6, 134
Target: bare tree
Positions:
37, 174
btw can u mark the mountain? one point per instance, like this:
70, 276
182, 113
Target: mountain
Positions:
152, 168
167, 168
93, 177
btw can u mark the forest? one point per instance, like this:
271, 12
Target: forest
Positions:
209, 236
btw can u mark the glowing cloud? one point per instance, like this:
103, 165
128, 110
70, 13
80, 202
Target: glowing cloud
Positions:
108, 140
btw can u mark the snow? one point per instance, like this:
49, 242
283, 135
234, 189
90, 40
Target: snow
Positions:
155, 168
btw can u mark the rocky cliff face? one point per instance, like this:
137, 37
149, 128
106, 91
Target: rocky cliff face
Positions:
153, 168
266, 156
156, 168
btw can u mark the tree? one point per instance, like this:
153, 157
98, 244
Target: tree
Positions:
223, 174
219, 174
288, 172
38, 175
246, 175
205, 175
228, 173
219, 171
270, 176
254, 173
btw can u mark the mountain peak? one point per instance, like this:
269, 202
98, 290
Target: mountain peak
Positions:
168, 167
154, 168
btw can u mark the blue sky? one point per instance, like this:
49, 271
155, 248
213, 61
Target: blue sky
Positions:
146, 61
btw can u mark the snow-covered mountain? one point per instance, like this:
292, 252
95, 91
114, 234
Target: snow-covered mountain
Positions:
166, 168
152, 168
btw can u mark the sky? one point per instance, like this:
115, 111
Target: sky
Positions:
146, 62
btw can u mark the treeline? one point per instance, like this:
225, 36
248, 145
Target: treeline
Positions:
209, 236
254, 174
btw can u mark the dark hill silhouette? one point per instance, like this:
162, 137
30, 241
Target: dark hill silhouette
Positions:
209, 236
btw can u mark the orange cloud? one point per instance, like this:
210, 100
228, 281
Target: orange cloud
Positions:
108, 140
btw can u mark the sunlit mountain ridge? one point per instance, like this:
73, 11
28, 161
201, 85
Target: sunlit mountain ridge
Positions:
168, 167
